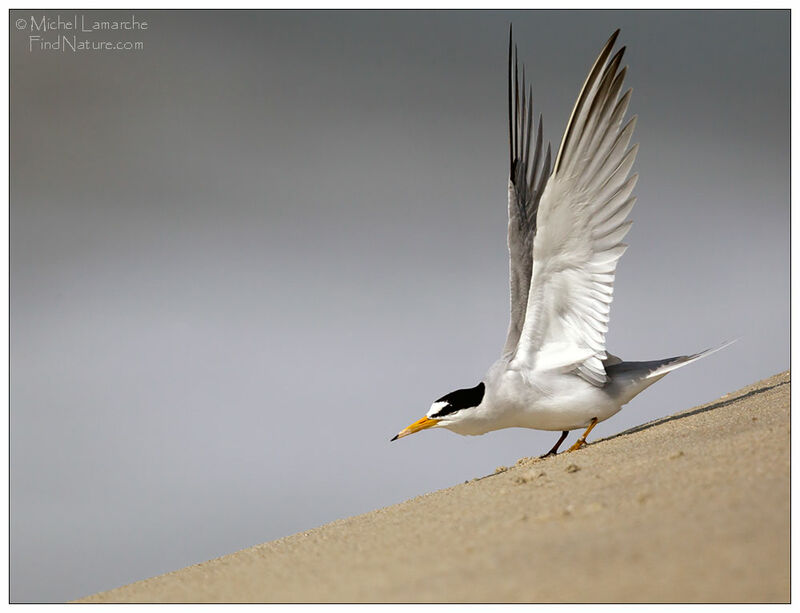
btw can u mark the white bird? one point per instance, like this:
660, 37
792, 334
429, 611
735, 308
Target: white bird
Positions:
565, 232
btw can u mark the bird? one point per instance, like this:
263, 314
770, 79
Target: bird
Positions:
567, 218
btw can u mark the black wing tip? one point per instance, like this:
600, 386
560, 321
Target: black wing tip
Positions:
612, 40
511, 136
599, 67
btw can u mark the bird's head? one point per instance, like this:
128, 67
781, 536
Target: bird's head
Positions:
449, 410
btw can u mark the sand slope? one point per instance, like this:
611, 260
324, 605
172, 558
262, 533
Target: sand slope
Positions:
692, 508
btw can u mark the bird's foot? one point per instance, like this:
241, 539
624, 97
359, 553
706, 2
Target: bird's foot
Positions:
554, 450
582, 440
577, 445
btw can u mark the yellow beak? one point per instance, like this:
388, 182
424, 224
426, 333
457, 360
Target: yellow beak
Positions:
421, 424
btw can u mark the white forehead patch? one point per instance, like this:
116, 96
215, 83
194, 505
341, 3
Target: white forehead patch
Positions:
436, 407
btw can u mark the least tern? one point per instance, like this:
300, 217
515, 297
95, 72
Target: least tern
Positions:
565, 231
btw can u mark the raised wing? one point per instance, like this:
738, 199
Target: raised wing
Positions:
580, 226
525, 183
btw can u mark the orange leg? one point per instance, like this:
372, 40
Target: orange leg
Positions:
582, 440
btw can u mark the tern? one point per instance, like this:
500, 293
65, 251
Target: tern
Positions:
565, 231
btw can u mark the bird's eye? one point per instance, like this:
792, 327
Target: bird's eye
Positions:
458, 400
443, 409
438, 409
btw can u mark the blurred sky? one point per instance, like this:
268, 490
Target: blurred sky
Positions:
245, 256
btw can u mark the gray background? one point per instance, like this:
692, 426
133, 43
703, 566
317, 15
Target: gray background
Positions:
245, 256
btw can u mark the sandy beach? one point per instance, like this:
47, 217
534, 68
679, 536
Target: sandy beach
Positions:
690, 508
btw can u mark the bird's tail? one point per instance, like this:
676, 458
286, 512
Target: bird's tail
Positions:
631, 378
662, 367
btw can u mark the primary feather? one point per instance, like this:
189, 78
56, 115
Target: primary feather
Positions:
526, 180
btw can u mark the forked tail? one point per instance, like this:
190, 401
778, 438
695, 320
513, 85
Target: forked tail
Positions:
630, 378
662, 367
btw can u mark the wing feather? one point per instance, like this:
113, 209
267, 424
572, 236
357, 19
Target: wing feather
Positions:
580, 224
576, 120
526, 181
